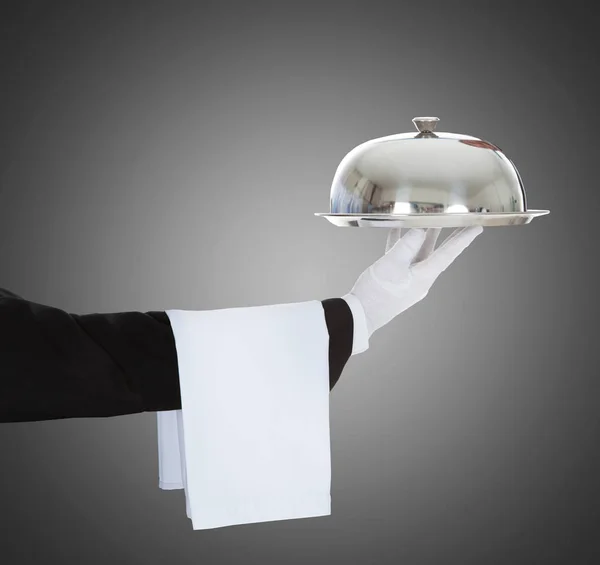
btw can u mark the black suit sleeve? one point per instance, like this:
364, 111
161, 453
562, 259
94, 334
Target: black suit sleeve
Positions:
56, 365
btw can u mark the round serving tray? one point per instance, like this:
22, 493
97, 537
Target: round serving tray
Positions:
439, 220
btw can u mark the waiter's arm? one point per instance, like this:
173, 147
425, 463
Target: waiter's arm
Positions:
57, 365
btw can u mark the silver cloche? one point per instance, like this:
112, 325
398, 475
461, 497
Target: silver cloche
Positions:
427, 179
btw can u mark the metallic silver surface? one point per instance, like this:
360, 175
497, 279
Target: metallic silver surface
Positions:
428, 179
425, 125
432, 220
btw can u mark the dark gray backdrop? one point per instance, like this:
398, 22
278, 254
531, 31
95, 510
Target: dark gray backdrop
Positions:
163, 155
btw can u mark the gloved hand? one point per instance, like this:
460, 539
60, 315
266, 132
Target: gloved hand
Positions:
402, 277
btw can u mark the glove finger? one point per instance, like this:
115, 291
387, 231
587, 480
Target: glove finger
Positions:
428, 246
393, 236
405, 249
394, 265
451, 236
443, 257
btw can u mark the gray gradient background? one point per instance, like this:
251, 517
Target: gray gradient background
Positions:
171, 155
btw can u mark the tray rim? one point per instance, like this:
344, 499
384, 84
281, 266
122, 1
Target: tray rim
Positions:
432, 219
435, 214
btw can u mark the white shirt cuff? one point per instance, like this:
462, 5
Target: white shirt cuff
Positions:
360, 341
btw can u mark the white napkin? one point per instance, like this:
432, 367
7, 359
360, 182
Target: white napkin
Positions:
255, 410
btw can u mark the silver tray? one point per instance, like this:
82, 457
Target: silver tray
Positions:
439, 220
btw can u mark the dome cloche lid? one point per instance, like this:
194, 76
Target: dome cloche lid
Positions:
425, 179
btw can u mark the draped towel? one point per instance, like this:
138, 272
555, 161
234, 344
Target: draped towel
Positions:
251, 442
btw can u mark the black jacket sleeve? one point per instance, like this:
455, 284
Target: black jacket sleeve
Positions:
56, 365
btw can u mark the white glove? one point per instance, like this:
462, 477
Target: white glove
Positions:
402, 277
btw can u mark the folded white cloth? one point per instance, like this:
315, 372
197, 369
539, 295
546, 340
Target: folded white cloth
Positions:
255, 411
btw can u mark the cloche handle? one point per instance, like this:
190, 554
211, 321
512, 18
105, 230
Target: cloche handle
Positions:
425, 125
